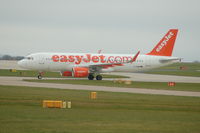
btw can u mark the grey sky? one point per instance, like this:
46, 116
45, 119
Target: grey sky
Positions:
115, 26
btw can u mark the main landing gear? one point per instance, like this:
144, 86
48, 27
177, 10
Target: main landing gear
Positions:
40, 75
99, 77
91, 77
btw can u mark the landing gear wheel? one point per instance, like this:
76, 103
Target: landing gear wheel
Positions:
98, 77
39, 76
90, 77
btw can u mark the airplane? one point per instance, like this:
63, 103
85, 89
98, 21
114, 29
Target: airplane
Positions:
91, 65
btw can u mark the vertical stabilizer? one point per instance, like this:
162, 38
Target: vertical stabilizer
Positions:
166, 44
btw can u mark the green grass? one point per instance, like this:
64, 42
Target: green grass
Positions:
147, 85
29, 73
192, 69
21, 112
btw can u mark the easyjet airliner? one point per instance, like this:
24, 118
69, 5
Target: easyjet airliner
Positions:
91, 65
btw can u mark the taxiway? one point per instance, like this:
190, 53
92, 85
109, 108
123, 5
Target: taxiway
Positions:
18, 81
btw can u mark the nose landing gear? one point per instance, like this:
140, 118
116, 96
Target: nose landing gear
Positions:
40, 75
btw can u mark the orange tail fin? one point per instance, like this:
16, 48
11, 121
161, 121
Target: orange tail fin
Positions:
166, 44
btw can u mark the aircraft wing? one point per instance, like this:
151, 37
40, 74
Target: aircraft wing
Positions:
118, 63
107, 65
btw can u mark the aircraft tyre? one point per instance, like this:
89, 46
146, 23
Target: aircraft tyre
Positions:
98, 77
90, 77
39, 76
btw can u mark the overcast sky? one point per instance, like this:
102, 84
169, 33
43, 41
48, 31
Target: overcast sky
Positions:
115, 26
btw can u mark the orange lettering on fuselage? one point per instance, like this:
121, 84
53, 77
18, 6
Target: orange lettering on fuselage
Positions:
78, 59
63, 58
71, 58
95, 59
102, 57
55, 58
87, 58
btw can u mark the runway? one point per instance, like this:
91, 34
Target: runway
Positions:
159, 78
18, 81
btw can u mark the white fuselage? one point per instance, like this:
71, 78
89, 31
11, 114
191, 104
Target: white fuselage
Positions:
66, 61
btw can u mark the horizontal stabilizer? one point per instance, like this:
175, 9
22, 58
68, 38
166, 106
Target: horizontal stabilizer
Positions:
170, 60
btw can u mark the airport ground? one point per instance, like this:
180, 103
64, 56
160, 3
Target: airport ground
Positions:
21, 112
21, 109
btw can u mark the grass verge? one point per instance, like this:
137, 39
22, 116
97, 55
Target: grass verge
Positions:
147, 85
179, 69
21, 112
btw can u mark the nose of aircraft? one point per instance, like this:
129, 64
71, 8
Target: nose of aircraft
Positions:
22, 63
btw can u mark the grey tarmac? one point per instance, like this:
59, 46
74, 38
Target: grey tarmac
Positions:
18, 81
158, 78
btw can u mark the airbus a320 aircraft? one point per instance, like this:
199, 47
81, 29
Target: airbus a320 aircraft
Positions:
91, 65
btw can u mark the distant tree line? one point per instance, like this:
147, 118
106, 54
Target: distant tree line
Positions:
9, 57
196, 61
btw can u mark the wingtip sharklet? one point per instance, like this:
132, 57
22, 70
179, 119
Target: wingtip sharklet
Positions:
135, 57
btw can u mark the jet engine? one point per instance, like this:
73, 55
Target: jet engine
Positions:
80, 72
66, 73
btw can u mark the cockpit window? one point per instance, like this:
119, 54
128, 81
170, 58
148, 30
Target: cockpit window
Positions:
29, 58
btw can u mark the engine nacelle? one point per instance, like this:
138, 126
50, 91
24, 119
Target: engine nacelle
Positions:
66, 73
80, 72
